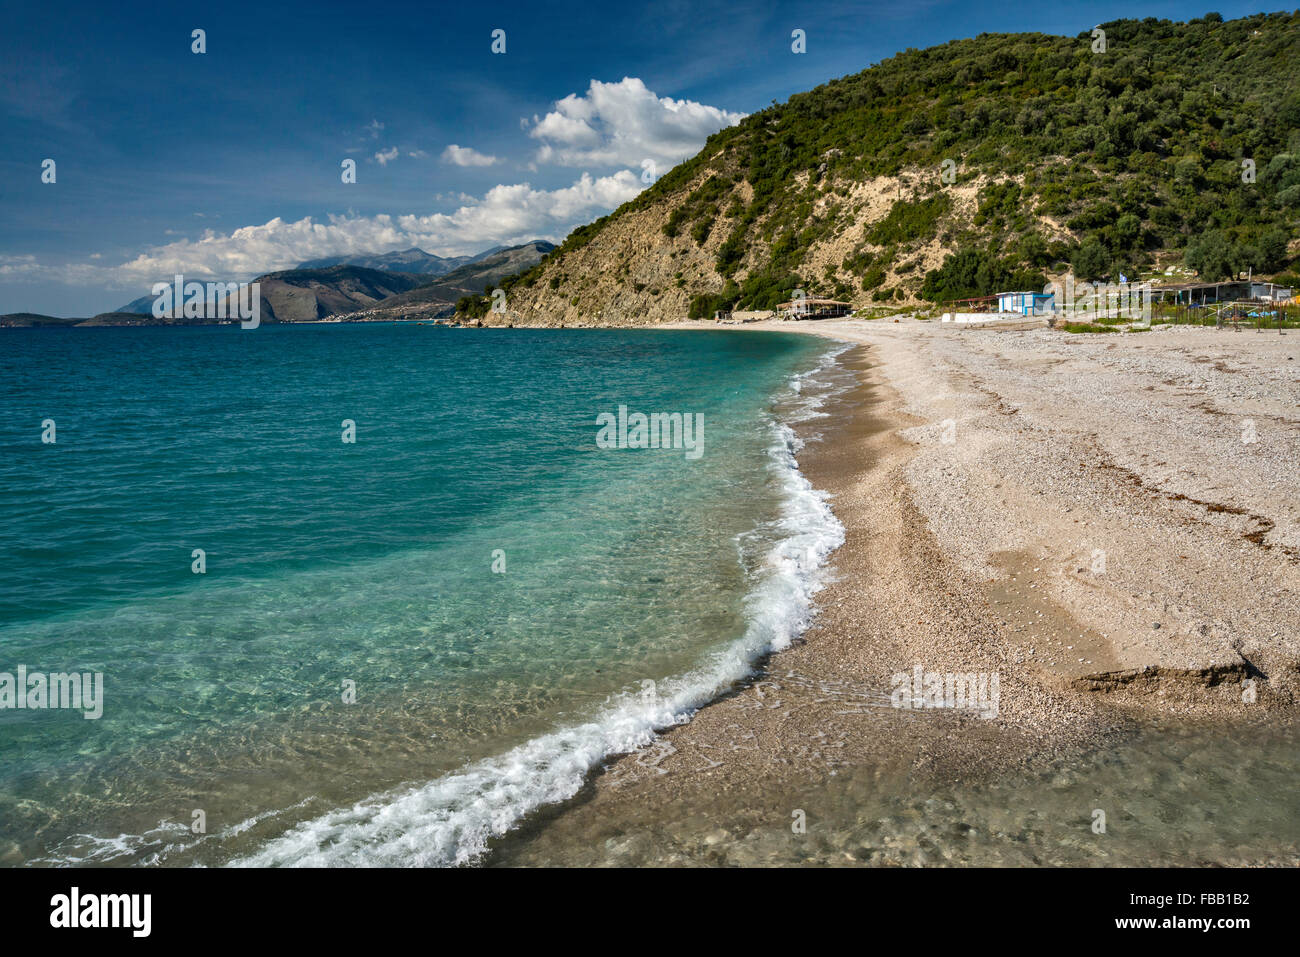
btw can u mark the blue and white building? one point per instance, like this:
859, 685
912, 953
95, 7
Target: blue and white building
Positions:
1027, 303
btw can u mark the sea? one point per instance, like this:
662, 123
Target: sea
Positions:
373, 594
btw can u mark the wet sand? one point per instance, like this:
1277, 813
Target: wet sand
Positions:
1001, 521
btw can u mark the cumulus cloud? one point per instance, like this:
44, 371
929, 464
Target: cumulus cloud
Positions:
624, 123
467, 156
504, 215
611, 125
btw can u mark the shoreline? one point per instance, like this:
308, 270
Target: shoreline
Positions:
913, 587
1265, 525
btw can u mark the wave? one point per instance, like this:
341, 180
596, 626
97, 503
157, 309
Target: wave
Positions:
452, 819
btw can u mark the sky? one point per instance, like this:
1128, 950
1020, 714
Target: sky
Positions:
228, 163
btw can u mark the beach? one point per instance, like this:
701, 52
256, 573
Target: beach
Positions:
924, 596
1108, 524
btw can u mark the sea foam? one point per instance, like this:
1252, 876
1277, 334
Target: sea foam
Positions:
452, 819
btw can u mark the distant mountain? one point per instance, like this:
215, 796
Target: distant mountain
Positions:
473, 278
348, 291
143, 306
119, 318
438, 298
303, 295
413, 260
30, 320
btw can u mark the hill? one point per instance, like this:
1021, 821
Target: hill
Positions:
325, 288
142, 306
960, 170
482, 274
415, 261
118, 318
411, 261
30, 320
439, 297
304, 295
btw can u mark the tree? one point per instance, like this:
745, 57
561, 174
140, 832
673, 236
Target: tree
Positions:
1090, 259
1033, 250
1127, 233
1246, 256
965, 274
1272, 250
1211, 256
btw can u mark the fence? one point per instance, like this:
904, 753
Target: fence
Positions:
1254, 314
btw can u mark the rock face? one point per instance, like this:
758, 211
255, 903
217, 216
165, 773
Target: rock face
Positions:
631, 273
634, 273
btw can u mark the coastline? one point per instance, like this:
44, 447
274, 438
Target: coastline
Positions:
967, 556
974, 475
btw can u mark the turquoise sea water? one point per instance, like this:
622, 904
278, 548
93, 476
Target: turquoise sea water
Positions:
637, 584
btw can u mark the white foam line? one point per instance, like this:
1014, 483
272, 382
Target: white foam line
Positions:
450, 820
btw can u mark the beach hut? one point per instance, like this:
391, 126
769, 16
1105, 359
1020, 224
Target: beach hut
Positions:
1027, 303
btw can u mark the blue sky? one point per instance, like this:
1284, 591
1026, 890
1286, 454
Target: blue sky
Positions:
226, 164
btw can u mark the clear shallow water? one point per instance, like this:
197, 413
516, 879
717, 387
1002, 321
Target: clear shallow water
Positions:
479, 696
1169, 795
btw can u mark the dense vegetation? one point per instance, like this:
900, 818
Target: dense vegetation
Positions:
1179, 140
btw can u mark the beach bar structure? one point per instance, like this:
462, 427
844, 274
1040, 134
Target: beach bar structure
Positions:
813, 309
1188, 293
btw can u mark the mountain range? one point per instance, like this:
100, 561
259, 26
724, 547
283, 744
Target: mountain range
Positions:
407, 283
412, 260
438, 299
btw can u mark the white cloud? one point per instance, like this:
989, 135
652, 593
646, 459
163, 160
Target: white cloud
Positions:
467, 156
504, 215
624, 123
28, 268
612, 124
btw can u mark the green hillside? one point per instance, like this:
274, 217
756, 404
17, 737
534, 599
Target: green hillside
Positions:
1057, 156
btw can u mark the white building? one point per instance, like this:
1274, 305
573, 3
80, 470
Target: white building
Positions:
1027, 303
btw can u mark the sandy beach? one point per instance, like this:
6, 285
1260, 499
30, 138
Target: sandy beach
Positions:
1110, 524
